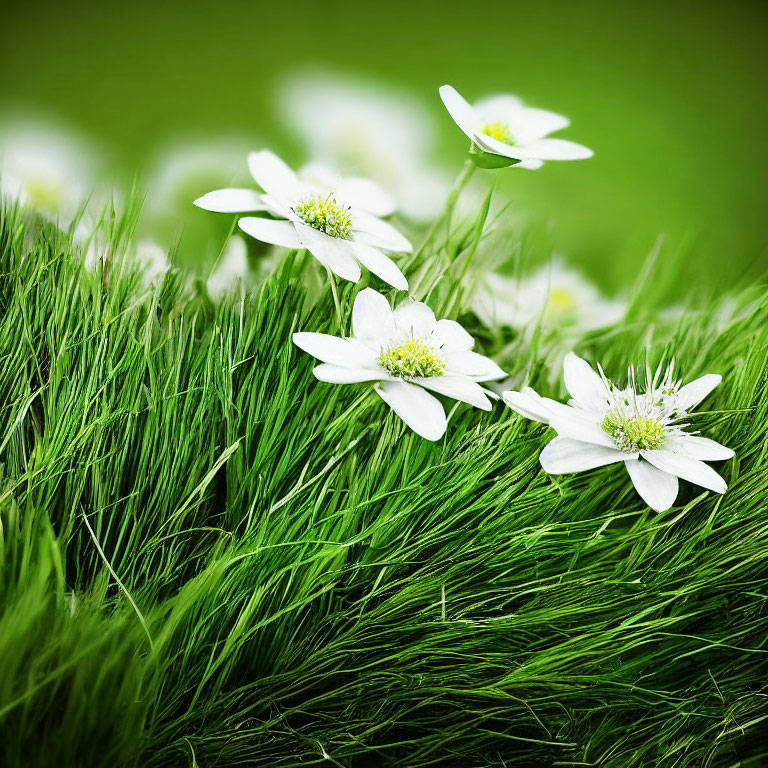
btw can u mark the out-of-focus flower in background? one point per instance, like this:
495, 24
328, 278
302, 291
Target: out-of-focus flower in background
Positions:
153, 259
45, 166
370, 130
232, 269
503, 126
184, 168
555, 294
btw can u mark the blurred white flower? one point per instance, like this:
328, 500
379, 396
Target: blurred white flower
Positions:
504, 126
150, 256
409, 351
47, 168
368, 130
231, 270
557, 295
603, 424
337, 231
153, 259
186, 168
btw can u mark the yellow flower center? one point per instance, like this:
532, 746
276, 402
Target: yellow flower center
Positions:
43, 195
499, 131
325, 215
633, 433
561, 306
412, 359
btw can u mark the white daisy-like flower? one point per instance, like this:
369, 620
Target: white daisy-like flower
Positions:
332, 222
603, 424
368, 129
556, 295
408, 352
47, 168
503, 126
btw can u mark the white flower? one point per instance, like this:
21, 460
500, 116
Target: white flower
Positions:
604, 425
331, 222
370, 130
504, 126
409, 352
46, 168
232, 269
556, 295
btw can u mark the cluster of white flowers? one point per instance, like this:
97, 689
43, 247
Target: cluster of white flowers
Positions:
407, 354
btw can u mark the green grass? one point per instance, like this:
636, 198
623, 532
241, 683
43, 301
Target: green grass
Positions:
208, 558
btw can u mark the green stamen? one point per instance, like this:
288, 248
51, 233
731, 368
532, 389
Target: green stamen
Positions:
411, 360
633, 433
326, 215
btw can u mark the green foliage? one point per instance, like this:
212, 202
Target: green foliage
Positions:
208, 558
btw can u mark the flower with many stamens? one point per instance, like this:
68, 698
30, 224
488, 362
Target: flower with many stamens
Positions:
337, 222
603, 424
504, 132
407, 352
325, 214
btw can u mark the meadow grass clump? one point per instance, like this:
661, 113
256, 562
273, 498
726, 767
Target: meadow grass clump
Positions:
208, 558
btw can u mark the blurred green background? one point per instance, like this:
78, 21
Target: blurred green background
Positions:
671, 96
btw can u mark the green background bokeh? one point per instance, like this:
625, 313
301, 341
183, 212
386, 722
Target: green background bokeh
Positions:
671, 96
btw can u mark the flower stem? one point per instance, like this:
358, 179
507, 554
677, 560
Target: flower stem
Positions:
450, 204
336, 301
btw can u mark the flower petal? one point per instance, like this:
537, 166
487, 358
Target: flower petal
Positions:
460, 110
531, 124
552, 149
329, 251
489, 144
336, 374
347, 353
231, 201
529, 404
692, 394
451, 337
458, 388
701, 448
658, 489
499, 107
563, 455
366, 195
281, 233
380, 264
414, 318
476, 366
273, 175
372, 231
422, 412
581, 425
584, 383
372, 316
686, 468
